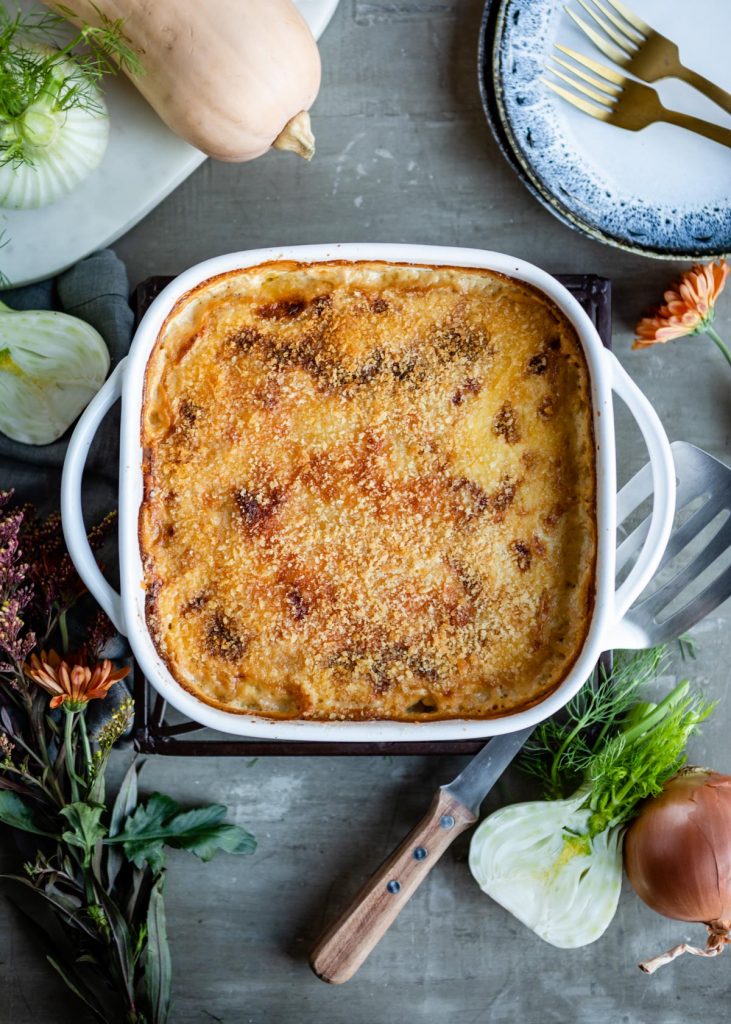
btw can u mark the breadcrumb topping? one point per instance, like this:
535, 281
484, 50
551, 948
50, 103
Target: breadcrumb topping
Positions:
369, 492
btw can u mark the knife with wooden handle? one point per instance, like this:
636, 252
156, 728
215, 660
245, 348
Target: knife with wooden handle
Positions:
358, 930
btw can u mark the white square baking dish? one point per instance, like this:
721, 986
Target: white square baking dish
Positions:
127, 610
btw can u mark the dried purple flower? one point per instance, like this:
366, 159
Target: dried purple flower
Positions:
51, 571
38, 581
15, 592
11, 571
99, 533
9, 539
99, 634
14, 646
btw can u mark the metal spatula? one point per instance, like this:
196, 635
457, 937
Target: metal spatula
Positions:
685, 588
693, 578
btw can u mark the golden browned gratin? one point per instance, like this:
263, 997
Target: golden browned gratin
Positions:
369, 492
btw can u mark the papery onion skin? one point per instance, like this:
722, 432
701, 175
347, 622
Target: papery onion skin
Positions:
677, 853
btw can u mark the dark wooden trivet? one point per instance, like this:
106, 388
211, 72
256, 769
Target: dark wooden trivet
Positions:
159, 729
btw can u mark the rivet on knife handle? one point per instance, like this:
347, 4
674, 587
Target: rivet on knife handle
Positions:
358, 930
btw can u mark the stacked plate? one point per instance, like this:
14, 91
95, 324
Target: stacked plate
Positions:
662, 192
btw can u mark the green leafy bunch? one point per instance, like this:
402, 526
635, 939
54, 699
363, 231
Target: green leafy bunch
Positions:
101, 876
94, 872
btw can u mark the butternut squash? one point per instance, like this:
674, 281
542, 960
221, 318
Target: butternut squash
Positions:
231, 77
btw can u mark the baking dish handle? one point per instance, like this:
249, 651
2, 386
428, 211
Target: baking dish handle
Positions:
72, 517
663, 503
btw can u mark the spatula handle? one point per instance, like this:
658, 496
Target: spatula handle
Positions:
357, 931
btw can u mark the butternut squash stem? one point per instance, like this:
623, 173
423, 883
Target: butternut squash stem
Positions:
297, 137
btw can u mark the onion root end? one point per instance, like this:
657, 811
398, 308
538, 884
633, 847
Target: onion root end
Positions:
718, 939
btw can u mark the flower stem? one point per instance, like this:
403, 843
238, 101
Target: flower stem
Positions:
719, 342
36, 715
64, 631
68, 744
85, 743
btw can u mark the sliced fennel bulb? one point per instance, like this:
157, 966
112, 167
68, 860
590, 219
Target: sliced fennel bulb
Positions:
557, 864
56, 147
51, 366
537, 860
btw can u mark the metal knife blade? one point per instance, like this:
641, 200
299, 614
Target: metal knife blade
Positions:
476, 780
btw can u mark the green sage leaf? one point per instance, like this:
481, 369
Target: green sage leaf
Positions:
161, 821
126, 799
120, 936
18, 813
124, 805
86, 827
158, 963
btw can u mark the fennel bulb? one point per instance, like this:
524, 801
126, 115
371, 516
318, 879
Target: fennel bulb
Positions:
56, 147
537, 860
51, 366
556, 864
54, 125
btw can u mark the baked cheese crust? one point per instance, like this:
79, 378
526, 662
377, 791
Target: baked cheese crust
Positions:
369, 492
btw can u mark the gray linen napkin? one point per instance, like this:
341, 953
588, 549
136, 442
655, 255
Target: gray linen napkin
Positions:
96, 290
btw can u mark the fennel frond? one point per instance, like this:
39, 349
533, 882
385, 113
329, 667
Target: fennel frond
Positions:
41, 76
561, 748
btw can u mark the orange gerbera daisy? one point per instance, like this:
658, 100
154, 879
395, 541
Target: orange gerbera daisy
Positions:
70, 681
688, 309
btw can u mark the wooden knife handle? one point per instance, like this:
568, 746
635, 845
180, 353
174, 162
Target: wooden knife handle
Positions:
357, 931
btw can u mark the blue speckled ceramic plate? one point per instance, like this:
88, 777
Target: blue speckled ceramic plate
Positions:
486, 84
661, 192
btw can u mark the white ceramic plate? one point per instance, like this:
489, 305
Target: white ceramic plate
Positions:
143, 163
661, 191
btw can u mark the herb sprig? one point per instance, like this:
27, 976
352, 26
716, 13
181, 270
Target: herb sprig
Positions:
560, 750
42, 76
613, 746
646, 753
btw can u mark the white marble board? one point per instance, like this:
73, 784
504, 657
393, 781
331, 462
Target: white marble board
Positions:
143, 163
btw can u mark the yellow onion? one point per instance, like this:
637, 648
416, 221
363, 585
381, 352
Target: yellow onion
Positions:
677, 855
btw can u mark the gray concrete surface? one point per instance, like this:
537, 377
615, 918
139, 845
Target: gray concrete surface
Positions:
403, 155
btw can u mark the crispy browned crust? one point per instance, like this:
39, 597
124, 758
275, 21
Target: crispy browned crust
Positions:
369, 492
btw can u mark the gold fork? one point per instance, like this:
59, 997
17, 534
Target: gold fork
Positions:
640, 49
621, 101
